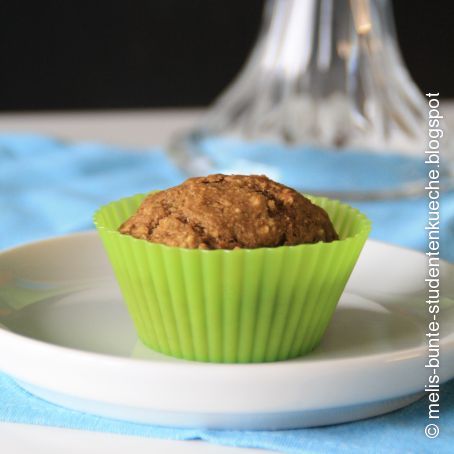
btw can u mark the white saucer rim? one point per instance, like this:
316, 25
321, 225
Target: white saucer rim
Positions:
183, 384
93, 232
111, 360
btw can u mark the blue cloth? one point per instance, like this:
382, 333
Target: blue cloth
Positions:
58, 186
49, 187
399, 432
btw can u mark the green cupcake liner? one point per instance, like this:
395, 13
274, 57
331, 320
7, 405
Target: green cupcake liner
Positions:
232, 306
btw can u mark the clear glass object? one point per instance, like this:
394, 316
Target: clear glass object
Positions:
323, 104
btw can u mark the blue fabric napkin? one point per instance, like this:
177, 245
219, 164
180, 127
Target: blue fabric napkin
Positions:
49, 187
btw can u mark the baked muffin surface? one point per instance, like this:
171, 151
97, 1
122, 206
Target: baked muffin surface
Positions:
227, 212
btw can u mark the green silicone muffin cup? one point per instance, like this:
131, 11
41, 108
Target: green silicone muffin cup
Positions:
232, 306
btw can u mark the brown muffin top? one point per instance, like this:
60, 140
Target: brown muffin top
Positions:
227, 212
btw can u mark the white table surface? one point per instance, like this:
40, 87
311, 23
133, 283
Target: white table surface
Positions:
125, 128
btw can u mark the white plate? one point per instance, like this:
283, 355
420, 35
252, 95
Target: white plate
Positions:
66, 337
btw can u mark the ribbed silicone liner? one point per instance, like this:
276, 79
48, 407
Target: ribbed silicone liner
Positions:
232, 306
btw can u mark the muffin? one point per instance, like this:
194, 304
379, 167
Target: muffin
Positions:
232, 269
228, 212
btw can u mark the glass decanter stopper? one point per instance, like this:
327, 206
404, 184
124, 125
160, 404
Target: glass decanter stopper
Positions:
324, 104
